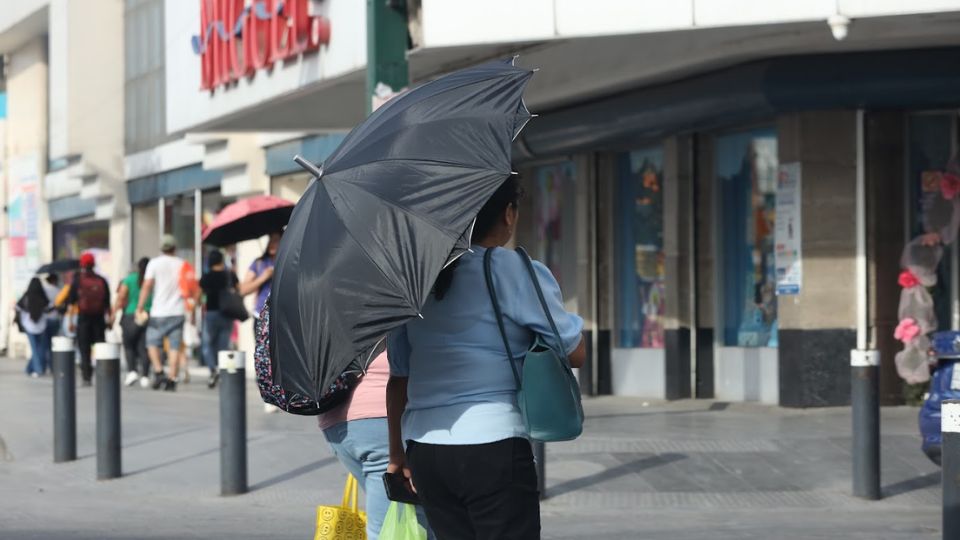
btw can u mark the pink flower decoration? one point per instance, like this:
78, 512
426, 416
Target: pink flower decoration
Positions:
907, 330
907, 279
949, 185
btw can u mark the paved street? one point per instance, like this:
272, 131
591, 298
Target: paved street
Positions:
678, 471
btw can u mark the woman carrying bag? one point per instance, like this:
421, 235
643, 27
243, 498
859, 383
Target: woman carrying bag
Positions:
463, 440
32, 311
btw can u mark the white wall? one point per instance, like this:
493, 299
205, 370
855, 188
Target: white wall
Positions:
449, 23
192, 106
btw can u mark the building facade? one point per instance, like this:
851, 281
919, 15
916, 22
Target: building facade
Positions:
691, 179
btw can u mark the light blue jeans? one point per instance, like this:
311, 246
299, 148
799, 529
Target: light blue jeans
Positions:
363, 447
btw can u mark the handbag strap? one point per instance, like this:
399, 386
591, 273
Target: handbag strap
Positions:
488, 274
350, 493
543, 300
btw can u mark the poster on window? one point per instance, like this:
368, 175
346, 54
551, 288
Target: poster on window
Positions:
789, 260
22, 217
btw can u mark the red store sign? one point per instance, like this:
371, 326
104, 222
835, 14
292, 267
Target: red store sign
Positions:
238, 38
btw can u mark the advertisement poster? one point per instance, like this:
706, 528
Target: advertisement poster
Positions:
23, 220
789, 260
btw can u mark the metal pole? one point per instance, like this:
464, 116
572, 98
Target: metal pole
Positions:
540, 460
233, 423
950, 430
864, 362
107, 356
64, 400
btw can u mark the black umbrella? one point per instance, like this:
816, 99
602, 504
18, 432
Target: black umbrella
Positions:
63, 265
392, 206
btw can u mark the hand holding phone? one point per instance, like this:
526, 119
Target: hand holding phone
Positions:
398, 488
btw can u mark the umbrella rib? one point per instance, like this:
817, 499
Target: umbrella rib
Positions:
368, 142
407, 210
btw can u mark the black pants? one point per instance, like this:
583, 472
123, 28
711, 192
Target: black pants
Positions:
479, 491
135, 345
90, 329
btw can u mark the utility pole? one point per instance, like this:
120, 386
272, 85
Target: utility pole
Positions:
387, 40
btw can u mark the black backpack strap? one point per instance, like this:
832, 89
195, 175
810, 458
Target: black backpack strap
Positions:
488, 274
543, 300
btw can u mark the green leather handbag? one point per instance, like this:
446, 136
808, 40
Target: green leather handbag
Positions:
547, 391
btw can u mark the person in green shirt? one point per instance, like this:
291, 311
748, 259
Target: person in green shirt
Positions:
134, 331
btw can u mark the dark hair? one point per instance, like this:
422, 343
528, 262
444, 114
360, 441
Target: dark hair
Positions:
142, 269
214, 258
507, 195
53, 278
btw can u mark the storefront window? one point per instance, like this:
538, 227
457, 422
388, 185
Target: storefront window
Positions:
640, 259
746, 168
553, 188
72, 238
931, 143
179, 220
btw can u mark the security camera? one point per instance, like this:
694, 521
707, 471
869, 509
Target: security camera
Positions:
839, 26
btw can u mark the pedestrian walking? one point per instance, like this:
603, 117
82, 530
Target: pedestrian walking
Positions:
467, 451
358, 435
32, 312
162, 280
134, 330
90, 293
260, 274
217, 325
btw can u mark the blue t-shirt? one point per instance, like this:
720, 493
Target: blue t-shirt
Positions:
258, 267
461, 389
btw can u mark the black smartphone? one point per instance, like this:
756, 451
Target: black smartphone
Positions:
398, 489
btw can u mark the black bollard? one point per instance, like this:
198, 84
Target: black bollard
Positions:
233, 423
865, 398
107, 356
950, 431
540, 460
64, 400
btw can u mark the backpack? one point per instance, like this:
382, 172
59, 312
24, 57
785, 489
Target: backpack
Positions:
91, 294
294, 403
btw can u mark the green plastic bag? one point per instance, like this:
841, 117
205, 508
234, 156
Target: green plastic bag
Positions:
401, 523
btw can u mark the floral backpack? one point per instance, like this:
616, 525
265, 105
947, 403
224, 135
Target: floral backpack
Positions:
275, 394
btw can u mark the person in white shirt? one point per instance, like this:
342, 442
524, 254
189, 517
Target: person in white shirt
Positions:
162, 279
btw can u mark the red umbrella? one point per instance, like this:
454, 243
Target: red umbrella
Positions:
248, 219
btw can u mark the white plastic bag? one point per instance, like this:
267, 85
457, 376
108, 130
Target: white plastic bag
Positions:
191, 337
922, 260
913, 362
917, 304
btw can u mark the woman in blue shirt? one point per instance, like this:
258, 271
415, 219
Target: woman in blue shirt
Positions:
452, 397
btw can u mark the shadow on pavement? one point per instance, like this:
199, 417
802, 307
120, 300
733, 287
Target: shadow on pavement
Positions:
181, 459
615, 472
290, 475
141, 442
912, 484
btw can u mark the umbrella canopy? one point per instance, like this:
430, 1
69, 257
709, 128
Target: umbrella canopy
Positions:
395, 203
63, 265
247, 219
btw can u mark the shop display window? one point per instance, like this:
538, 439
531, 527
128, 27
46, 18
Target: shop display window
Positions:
640, 275
552, 209
746, 169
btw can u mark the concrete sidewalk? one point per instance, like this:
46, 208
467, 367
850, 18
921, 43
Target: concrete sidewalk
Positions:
681, 470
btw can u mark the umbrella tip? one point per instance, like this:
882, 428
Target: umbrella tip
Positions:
420, 315
535, 69
470, 250
532, 115
514, 173
307, 166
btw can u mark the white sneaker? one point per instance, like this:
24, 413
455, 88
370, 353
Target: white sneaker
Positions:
131, 379
144, 382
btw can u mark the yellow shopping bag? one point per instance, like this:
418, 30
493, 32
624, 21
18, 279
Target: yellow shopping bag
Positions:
342, 522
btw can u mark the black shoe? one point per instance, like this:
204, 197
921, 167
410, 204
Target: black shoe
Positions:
170, 386
214, 379
158, 380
